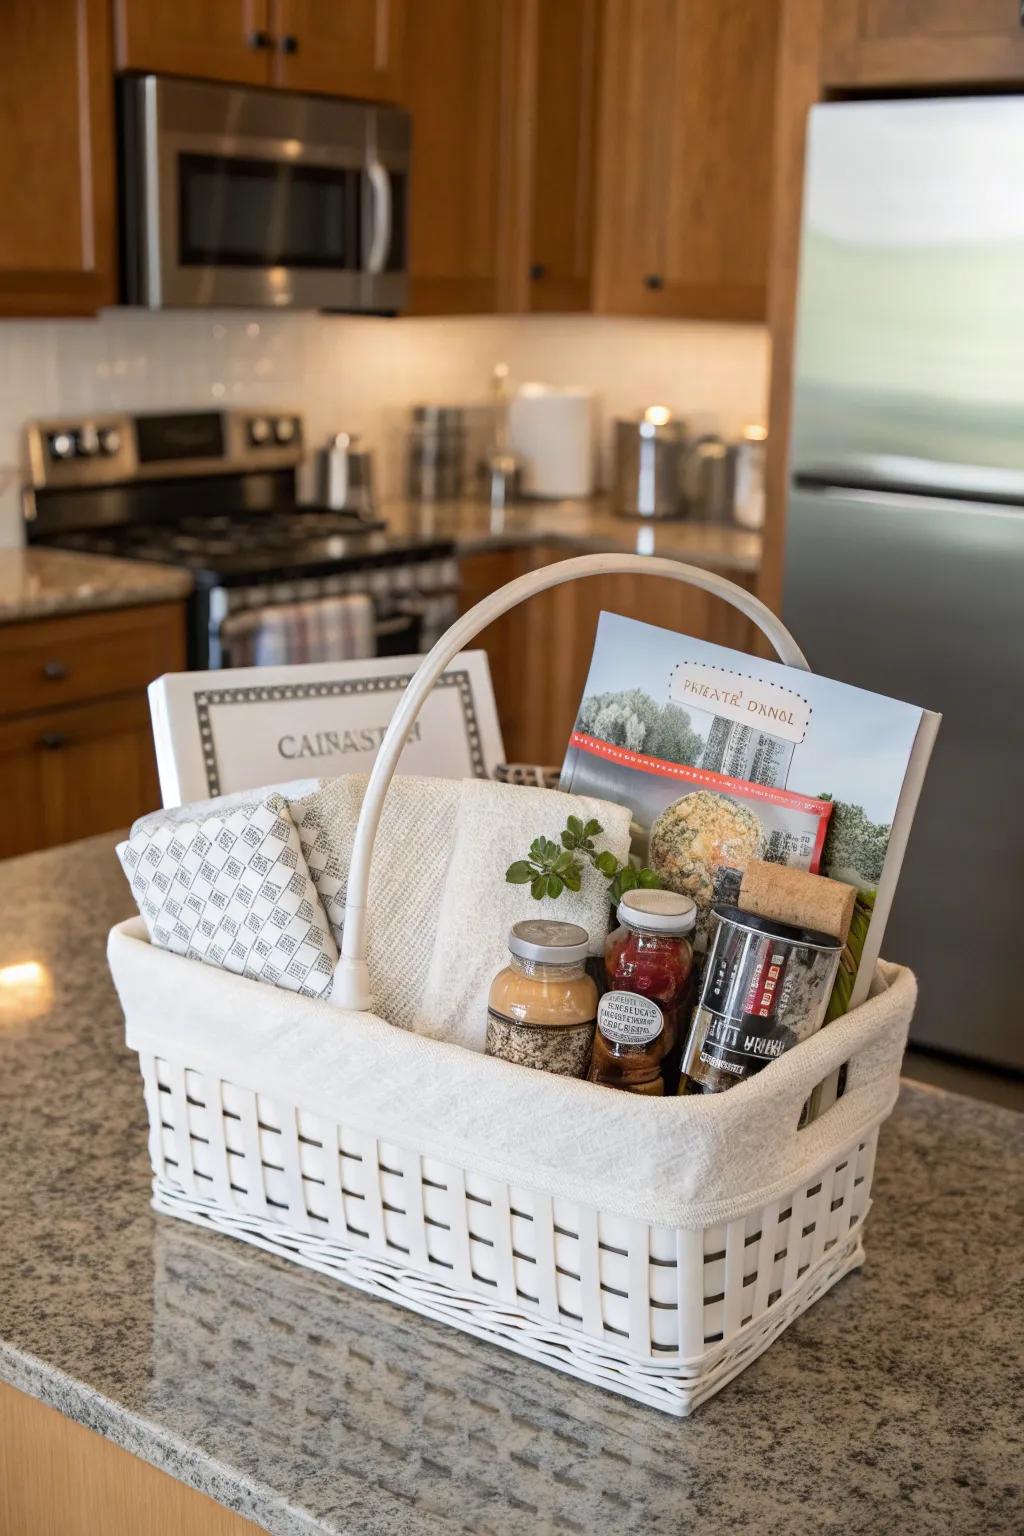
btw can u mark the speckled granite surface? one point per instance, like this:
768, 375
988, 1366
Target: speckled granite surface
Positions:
40, 583
892, 1406
577, 527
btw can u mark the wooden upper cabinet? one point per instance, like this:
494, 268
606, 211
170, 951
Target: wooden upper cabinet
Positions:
685, 157
340, 47
207, 39
459, 58
503, 98
893, 43
57, 230
560, 63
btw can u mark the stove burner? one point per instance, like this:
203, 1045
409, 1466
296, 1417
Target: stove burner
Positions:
203, 542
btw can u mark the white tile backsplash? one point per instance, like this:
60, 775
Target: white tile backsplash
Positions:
360, 373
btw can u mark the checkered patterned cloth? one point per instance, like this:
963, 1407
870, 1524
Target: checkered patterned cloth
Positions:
234, 892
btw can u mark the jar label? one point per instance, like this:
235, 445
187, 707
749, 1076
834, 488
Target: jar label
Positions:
627, 1018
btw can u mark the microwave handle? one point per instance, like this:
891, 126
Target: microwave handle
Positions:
380, 185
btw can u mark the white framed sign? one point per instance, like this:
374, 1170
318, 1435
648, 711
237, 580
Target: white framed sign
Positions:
247, 727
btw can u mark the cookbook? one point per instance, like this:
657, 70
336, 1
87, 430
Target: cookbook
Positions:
246, 727
725, 757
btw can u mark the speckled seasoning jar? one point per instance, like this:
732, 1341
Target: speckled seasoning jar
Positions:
543, 1005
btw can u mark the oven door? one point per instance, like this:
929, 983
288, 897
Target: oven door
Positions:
261, 199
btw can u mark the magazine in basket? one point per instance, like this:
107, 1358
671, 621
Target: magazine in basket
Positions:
825, 775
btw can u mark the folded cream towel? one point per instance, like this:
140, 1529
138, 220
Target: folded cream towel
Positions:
232, 889
495, 825
410, 861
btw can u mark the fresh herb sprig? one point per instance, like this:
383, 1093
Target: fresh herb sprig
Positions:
549, 869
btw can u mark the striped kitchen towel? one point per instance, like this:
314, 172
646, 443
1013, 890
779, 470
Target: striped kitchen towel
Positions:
322, 629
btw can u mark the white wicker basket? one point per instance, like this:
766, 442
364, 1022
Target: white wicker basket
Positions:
663, 1312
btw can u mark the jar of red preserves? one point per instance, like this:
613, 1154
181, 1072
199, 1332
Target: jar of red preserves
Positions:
648, 968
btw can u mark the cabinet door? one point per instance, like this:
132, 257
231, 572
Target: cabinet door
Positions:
341, 47
459, 60
76, 771
562, 62
74, 657
57, 230
923, 42
685, 152
210, 39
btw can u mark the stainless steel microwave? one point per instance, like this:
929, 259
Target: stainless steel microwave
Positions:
232, 196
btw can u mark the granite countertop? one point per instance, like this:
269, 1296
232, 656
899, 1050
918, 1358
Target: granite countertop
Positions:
39, 583
892, 1405
576, 526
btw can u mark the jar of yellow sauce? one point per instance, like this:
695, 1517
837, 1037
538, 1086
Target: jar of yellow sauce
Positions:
543, 1005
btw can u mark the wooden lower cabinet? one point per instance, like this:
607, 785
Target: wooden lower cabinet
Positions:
60, 1479
540, 652
76, 744
89, 768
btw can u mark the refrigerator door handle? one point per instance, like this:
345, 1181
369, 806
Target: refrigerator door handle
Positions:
909, 501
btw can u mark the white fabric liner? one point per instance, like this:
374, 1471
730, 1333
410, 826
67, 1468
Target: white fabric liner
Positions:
689, 1162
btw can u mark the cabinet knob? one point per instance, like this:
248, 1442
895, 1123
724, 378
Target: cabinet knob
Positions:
52, 741
56, 671
289, 44
654, 280
539, 270
260, 39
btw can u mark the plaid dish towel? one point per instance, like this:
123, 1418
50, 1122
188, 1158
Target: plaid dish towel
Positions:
234, 892
339, 628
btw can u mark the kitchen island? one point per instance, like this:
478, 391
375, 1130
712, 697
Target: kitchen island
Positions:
307, 1408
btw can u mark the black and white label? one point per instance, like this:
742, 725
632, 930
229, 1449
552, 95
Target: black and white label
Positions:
626, 1018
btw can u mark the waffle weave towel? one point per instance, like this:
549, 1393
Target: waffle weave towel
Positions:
232, 889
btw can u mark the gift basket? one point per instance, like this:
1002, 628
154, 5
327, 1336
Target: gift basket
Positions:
654, 1247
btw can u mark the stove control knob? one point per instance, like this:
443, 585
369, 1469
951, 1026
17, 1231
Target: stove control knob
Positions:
259, 431
284, 429
88, 441
62, 445
110, 440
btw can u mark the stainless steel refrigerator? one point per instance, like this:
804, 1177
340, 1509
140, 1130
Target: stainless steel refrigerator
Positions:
905, 536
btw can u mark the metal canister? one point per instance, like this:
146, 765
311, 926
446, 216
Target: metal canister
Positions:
437, 452
649, 458
765, 988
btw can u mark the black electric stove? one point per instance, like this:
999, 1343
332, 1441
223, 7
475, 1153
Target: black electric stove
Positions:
214, 493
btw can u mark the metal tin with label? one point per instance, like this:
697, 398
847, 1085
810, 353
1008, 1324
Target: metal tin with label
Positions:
766, 987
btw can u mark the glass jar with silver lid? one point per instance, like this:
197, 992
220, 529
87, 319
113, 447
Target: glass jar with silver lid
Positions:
543, 1005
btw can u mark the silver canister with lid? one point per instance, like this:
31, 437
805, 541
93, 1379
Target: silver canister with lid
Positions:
650, 453
437, 452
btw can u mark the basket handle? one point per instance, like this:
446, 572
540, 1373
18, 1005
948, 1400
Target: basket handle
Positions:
351, 987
